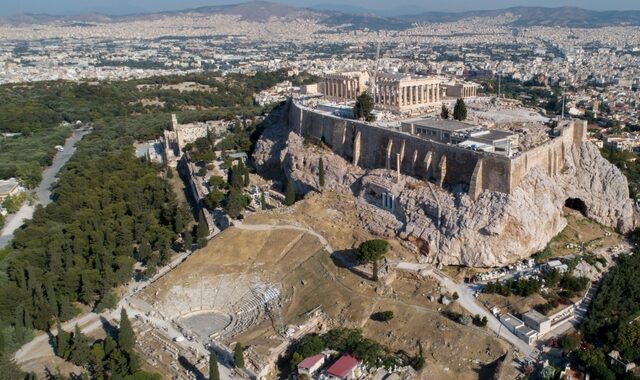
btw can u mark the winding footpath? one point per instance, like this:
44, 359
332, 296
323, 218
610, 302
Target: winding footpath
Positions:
466, 293
40, 346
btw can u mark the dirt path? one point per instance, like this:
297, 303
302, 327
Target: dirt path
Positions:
466, 294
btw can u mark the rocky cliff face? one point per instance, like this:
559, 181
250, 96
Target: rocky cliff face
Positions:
451, 228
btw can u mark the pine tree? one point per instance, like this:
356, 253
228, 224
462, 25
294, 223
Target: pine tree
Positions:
321, 172
290, 194
214, 373
126, 337
444, 112
460, 110
238, 356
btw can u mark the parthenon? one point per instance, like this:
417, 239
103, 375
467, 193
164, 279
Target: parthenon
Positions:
396, 92
406, 92
347, 85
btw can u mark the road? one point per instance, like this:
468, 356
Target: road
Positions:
468, 302
43, 191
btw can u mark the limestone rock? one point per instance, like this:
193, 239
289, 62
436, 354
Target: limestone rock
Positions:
451, 228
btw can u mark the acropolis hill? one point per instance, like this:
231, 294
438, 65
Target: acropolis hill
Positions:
457, 206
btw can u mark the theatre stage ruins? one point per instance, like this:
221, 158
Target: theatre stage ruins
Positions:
473, 204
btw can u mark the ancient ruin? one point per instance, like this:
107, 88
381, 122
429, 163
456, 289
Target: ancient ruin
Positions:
456, 205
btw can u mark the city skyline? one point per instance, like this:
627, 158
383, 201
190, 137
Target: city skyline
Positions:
115, 7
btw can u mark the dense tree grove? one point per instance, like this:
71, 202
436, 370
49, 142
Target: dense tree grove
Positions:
111, 209
351, 341
615, 306
107, 358
37, 111
627, 163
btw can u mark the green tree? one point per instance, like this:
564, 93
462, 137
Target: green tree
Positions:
188, 240
247, 178
236, 202
126, 337
460, 110
444, 112
202, 231
214, 373
62, 341
80, 351
290, 194
238, 356
144, 251
363, 108
29, 174
263, 201
382, 316
371, 251
321, 173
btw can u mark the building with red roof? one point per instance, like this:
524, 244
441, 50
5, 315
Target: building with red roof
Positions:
345, 368
311, 364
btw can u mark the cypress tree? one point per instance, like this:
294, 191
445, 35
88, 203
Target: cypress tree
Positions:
80, 352
188, 240
178, 222
202, 231
238, 356
263, 200
62, 341
247, 179
460, 110
375, 270
214, 373
321, 172
290, 194
126, 337
444, 112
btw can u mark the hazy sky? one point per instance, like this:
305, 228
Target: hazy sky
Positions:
8, 7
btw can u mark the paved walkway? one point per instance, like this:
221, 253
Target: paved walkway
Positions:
468, 302
43, 191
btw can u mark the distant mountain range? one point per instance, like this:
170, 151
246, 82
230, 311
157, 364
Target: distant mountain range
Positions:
359, 18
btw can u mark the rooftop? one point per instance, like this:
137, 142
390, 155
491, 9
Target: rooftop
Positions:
311, 361
526, 331
447, 125
536, 316
343, 366
511, 321
7, 186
